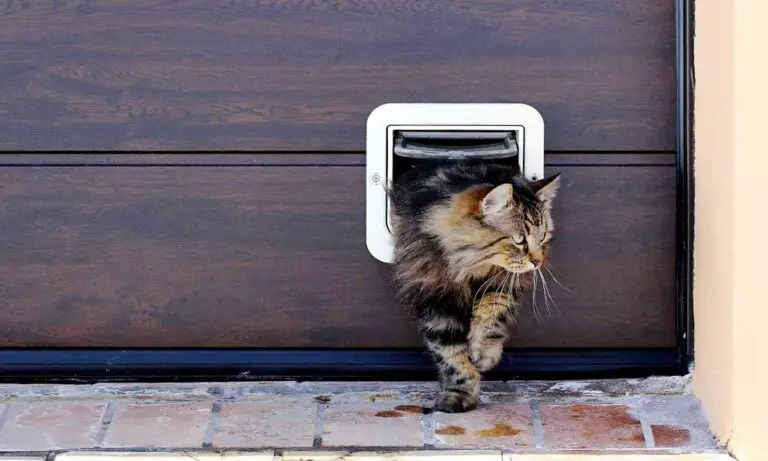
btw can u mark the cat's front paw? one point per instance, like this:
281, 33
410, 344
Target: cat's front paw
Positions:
455, 402
486, 356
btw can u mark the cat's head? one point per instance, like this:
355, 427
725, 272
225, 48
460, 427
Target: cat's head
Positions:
508, 226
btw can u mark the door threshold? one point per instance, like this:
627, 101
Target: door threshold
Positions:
656, 416
384, 455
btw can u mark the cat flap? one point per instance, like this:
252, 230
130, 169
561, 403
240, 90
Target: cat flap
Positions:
403, 136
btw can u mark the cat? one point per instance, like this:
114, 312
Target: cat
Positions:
467, 238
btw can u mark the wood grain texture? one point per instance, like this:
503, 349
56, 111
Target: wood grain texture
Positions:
303, 75
295, 159
274, 256
152, 159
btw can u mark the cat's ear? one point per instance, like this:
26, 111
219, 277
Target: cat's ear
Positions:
546, 189
499, 198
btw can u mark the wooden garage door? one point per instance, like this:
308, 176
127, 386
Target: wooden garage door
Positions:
225, 204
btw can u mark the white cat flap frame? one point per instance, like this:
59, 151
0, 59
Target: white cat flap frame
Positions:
383, 121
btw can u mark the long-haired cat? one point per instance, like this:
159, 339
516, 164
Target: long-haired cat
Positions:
467, 237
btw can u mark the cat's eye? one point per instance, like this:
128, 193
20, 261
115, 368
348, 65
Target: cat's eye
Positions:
518, 239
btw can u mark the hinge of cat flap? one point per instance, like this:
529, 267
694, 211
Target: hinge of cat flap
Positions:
456, 145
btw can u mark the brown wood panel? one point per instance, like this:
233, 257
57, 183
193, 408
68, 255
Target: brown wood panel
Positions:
303, 75
190, 159
270, 256
296, 158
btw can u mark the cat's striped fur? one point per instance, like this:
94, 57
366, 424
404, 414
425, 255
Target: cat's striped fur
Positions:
467, 238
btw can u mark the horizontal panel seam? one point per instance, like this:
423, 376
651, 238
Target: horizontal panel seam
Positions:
292, 152
290, 165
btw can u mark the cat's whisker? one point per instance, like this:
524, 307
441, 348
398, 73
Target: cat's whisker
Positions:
547, 292
555, 279
514, 298
500, 293
503, 290
496, 293
511, 291
485, 284
480, 289
536, 313
557, 308
544, 291
537, 273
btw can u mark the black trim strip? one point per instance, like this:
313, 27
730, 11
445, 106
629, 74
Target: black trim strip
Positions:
685, 184
91, 365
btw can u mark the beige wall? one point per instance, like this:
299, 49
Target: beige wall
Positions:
731, 236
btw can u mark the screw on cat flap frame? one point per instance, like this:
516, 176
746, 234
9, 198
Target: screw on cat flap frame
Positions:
401, 135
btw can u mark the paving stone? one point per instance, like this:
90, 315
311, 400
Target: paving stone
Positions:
48, 425
279, 422
491, 425
590, 426
673, 416
171, 425
666, 436
617, 456
374, 425
167, 456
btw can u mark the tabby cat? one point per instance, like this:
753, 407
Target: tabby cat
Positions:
467, 238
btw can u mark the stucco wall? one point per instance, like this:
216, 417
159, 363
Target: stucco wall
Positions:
731, 242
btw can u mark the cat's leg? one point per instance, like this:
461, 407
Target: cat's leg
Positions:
489, 329
446, 339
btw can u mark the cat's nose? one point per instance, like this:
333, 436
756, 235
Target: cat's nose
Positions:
536, 259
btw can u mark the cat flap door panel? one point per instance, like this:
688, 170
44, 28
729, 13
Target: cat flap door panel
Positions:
401, 136
455, 144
